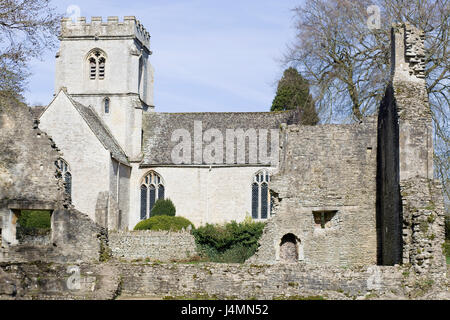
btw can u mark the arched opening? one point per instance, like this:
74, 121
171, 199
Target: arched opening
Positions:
289, 248
152, 188
261, 208
97, 64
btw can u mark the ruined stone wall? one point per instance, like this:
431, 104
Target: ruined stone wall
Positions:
41, 280
154, 245
27, 157
222, 281
74, 237
410, 203
328, 168
29, 181
423, 226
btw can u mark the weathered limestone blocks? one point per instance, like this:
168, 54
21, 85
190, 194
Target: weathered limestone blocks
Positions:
99, 29
423, 226
162, 246
223, 281
29, 180
327, 172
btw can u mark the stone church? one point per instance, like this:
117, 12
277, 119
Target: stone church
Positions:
361, 193
117, 150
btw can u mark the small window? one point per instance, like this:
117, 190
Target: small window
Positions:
323, 219
33, 227
106, 105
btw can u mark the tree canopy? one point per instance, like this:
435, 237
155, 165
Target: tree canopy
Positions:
347, 63
27, 28
293, 93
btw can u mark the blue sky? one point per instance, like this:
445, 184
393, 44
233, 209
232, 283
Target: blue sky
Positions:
208, 55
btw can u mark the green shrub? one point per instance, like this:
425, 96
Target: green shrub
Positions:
164, 223
163, 207
447, 248
232, 243
34, 222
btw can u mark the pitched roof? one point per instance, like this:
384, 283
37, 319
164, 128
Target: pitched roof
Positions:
101, 131
159, 127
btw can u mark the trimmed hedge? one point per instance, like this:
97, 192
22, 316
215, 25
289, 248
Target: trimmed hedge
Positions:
163, 207
230, 243
164, 223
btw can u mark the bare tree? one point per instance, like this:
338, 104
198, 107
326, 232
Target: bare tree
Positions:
347, 63
27, 28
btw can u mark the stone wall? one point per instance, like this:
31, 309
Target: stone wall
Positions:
205, 197
153, 245
27, 157
74, 238
29, 181
410, 205
423, 226
222, 281
326, 169
81, 149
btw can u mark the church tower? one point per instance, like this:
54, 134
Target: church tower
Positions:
106, 65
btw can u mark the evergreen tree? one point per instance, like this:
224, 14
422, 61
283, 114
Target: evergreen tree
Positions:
293, 93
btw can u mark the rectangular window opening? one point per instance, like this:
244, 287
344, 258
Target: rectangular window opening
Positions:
324, 219
33, 227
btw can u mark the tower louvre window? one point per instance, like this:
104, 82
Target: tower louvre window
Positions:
92, 69
97, 65
101, 68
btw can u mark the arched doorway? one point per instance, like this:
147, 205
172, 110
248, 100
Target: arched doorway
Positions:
289, 248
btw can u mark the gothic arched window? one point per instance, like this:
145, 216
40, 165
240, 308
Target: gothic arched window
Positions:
152, 189
261, 202
64, 169
97, 64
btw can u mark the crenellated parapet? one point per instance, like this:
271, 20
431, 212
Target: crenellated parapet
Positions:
98, 29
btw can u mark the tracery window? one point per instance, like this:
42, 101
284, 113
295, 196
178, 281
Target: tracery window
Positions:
97, 64
261, 202
64, 169
152, 189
